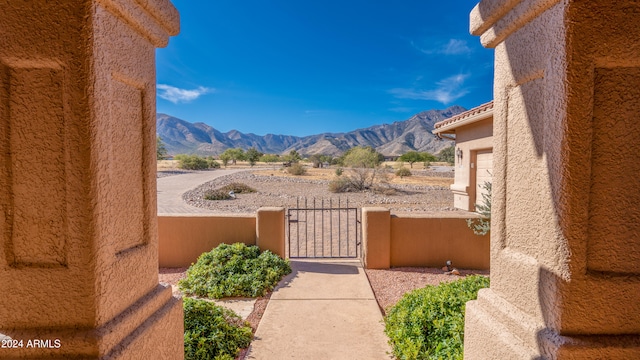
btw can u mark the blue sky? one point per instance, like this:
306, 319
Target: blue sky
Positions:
306, 67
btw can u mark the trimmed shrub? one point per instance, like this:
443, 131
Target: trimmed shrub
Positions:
234, 270
213, 332
296, 169
428, 323
403, 171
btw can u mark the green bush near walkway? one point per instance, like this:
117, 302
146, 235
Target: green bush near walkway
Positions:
234, 270
428, 323
212, 332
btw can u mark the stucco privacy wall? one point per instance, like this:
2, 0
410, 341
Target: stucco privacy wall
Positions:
183, 238
565, 249
421, 240
432, 239
78, 260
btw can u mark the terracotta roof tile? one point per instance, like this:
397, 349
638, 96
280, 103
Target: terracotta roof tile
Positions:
475, 111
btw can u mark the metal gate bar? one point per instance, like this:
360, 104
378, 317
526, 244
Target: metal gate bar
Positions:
316, 238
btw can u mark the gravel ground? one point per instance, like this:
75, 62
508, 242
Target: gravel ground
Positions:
284, 191
390, 285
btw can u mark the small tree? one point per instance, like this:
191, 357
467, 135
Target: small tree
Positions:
411, 157
234, 154
447, 154
293, 157
482, 225
428, 158
270, 158
224, 157
252, 155
364, 164
161, 149
316, 160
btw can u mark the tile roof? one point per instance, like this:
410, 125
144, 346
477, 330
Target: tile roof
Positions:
478, 110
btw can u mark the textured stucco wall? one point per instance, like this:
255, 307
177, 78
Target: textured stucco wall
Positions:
428, 239
376, 237
270, 230
183, 238
431, 240
77, 210
564, 244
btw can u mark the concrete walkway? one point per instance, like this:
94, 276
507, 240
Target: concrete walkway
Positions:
325, 309
171, 188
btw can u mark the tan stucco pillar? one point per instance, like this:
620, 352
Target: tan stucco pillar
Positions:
270, 230
376, 237
79, 256
565, 237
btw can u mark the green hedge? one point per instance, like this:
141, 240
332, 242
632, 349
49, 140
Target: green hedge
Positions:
234, 270
428, 323
213, 332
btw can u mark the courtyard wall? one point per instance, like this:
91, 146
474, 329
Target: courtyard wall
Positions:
426, 239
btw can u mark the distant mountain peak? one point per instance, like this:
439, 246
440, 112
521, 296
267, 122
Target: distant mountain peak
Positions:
181, 136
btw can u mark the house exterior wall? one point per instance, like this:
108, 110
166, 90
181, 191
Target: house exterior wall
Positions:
469, 138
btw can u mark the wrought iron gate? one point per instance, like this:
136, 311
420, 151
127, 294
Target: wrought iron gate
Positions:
323, 229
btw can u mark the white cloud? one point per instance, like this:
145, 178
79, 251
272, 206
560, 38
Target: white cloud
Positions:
456, 47
453, 47
177, 95
447, 90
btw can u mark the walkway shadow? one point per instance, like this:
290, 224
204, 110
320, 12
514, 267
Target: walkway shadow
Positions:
330, 267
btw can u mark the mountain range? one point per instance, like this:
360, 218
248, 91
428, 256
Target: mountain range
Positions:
183, 137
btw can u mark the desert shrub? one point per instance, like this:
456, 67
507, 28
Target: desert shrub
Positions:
191, 162
212, 163
213, 332
238, 188
296, 169
428, 323
339, 171
217, 194
403, 171
234, 270
223, 192
339, 185
482, 226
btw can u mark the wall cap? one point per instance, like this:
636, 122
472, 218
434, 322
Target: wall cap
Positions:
495, 20
156, 20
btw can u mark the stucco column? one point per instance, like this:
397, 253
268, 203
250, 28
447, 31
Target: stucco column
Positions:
79, 256
565, 248
376, 237
270, 233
